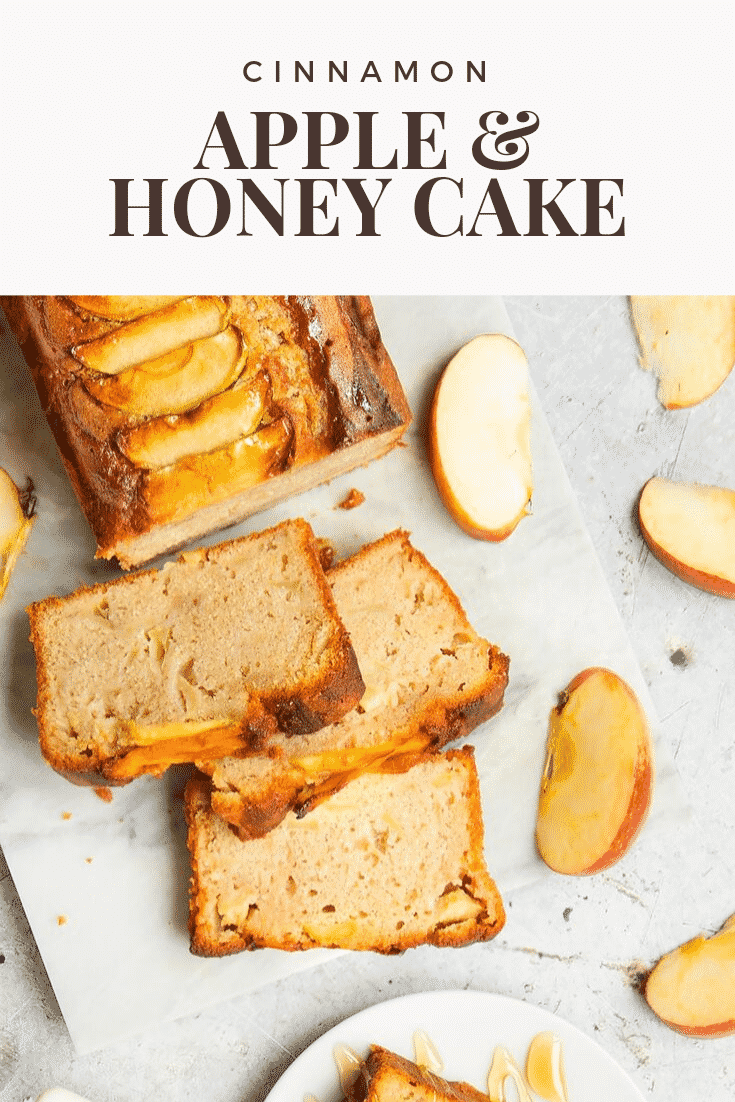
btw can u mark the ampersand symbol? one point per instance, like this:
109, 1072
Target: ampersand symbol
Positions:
510, 151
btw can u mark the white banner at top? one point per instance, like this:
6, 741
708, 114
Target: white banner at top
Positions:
522, 148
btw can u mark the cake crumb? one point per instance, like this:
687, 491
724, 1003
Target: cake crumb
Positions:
66, 814
104, 793
352, 500
89, 860
61, 920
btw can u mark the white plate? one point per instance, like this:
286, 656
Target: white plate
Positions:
465, 1027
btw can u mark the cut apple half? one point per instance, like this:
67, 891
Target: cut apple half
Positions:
201, 480
176, 382
153, 335
688, 341
480, 439
692, 989
218, 421
16, 521
122, 307
691, 529
598, 776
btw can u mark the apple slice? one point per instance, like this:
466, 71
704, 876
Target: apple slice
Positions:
479, 437
688, 341
215, 423
598, 776
201, 480
16, 521
174, 326
153, 748
176, 382
691, 529
122, 307
692, 989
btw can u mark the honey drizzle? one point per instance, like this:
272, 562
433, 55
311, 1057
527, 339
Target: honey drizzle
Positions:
503, 1068
349, 1069
425, 1053
544, 1069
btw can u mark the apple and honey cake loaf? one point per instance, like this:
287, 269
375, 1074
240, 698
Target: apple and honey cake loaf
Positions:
429, 677
211, 653
387, 1077
390, 861
176, 416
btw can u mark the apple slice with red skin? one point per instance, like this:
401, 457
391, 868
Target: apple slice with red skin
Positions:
598, 777
688, 341
479, 437
692, 989
691, 529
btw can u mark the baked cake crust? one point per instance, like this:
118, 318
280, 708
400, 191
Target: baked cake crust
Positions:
387, 1077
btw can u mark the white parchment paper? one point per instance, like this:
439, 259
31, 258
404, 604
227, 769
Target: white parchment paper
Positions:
104, 885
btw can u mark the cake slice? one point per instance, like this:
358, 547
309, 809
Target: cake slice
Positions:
387, 1077
179, 415
429, 677
212, 653
391, 861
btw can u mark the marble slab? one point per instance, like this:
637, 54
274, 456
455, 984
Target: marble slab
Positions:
104, 885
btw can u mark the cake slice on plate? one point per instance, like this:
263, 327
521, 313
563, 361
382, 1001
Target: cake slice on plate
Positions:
387, 1077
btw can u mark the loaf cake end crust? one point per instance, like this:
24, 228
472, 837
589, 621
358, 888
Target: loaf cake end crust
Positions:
243, 402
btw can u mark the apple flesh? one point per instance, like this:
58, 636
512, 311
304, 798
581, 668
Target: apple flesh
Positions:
691, 529
161, 441
122, 307
175, 382
480, 438
199, 480
16, 521
153, 335
692, 989
598, 776
688, 341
